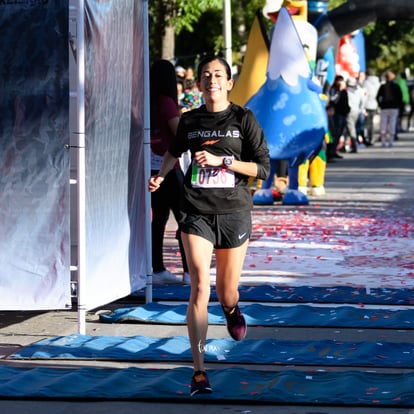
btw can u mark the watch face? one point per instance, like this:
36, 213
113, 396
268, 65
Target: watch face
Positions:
227, 161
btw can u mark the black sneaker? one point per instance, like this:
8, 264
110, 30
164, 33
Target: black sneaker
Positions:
236, 324
200, 384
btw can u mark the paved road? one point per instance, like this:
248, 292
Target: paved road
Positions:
375, 179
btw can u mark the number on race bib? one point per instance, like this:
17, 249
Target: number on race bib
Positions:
212, 177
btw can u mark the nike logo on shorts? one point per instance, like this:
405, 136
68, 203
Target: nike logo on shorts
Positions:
241, 235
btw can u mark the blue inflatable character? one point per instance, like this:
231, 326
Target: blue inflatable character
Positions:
289, 108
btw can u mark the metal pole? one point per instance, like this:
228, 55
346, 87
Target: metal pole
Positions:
227, 32
147, 158
81, 170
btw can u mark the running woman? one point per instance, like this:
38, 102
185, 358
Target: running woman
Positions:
227, 146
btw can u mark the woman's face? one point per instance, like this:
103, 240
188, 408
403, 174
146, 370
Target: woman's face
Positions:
179, 88
213, 82
340, 84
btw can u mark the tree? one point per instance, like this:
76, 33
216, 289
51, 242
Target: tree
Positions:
167, 18
207, 36
188, 29
390, 45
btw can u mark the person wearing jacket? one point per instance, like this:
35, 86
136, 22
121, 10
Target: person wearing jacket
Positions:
371, 86
389, 99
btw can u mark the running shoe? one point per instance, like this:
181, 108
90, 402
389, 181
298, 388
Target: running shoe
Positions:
236, 324
200, 384
165, 277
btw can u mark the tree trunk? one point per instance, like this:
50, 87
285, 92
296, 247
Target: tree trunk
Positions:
168, 44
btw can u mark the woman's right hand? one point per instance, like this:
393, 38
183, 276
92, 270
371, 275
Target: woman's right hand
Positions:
154, 183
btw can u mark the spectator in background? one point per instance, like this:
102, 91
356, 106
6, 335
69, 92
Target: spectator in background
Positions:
402, 83
192, 97
180, 73
180, 92
371, 86
165, 117
389, 99
356, 100
360, 125
338, 100
411, 113
189, 73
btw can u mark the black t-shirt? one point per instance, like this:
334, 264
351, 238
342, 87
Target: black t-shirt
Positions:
232, 132
339, 101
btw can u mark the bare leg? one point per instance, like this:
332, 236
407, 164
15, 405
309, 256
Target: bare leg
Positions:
199, 252
229, 268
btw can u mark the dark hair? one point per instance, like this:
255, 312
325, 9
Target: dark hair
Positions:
188, 83
209, 59
163, 80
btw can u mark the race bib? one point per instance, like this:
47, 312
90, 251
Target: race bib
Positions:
212, 177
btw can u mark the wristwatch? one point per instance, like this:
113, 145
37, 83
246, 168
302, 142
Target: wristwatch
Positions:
228, 161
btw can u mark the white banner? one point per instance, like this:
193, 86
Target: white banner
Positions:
34, 157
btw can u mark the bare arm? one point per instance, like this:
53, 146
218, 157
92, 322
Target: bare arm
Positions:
167, 165
168, 161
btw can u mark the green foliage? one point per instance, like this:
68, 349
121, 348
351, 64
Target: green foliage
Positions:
333, 4
390, 45
198, 25
188, 13
182, 15
207, 36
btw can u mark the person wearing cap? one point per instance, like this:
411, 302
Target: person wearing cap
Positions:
356, 100
180, 73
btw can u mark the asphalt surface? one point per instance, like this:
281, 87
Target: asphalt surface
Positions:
374, 176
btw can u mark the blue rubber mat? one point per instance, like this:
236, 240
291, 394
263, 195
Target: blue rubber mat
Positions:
262, 315
232, 385
249, 351
295, 294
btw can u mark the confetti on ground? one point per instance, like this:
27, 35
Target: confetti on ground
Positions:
325, 246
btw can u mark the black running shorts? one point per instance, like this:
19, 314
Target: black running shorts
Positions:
225, 231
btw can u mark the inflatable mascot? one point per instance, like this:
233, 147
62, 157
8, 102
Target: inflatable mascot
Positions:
331, 26
289, 109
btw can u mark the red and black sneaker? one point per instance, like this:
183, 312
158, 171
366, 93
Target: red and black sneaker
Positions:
236, 324
200, 384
